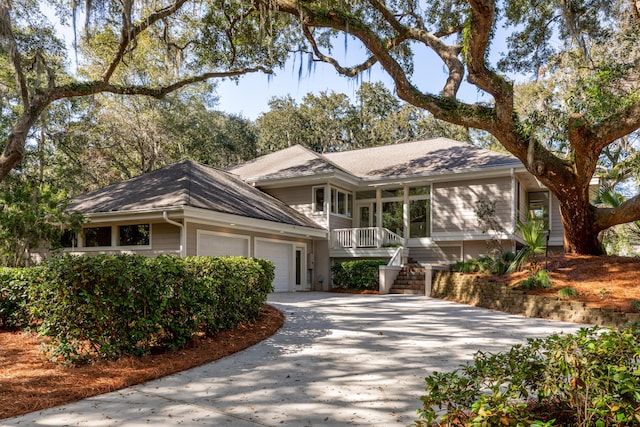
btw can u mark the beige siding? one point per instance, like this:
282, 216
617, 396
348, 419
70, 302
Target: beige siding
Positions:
340, 222
436, 254
321, 270
556, 236
165, 238
301, 199
453, 204
522, 208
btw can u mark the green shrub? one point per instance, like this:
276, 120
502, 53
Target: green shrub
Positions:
636, 306
14, 296
111, 305
585, 379
537, 279
488, 264
361, 274
568, 293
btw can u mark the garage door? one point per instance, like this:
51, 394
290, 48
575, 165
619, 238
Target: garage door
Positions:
210, 244
281, 255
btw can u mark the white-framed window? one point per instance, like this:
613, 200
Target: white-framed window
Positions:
97, 236
318, 199
134, 235
340, 201
419, 212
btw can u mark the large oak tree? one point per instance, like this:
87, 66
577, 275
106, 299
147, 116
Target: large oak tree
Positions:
179, 43
605, 105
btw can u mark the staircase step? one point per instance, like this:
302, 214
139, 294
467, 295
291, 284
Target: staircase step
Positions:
407, 291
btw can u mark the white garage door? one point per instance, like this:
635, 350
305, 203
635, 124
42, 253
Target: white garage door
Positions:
281, 255
210, 244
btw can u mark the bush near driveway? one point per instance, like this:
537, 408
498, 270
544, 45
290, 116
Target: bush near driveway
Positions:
591, 378
108, 306
361, 274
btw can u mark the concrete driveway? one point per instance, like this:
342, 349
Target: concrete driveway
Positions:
339, 360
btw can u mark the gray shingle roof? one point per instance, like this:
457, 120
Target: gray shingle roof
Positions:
429, 157
291, 162
189, 184
433, 156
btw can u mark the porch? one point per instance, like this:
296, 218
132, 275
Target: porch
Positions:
364, 242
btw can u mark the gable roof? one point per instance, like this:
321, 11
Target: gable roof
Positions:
433, 156
291, 162
419, 158
189, 184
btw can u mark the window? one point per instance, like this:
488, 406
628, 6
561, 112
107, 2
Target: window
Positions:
392, 216
340, 202
392, 192
97, 236
420, 218
318, 199
134, 235
419, 212
539, 207
69, 239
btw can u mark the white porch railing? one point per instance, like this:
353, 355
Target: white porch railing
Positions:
367, 237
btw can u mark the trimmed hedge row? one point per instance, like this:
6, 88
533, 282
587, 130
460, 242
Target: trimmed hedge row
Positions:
362, 274
108, 306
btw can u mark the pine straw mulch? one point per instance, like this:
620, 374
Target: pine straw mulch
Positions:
601, 281
30, 383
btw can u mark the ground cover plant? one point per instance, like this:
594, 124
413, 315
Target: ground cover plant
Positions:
591, 378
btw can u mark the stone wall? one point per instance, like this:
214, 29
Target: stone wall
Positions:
481, 291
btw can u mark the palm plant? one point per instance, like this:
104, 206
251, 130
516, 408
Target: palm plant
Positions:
534, 234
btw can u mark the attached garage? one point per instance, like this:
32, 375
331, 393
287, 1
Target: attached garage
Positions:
219, 244
281, 254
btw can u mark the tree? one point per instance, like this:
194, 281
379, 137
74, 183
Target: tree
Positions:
181, 42
108, 139
31, 217
332, 122
604, 108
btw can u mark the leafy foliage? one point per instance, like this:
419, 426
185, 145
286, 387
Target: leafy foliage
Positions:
492, 264
15, 307
568, 293
109, 306
534, 235
331, 122
31, 216
536, 279
362, 274
585, 379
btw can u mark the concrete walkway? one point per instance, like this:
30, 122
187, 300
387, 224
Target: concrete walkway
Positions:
339, 360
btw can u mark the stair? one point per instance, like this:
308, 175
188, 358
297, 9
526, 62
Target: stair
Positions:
410, 280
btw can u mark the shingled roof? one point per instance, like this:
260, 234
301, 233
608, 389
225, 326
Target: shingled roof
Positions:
189, 184
291, 162
429, 157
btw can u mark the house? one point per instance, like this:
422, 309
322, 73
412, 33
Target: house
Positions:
304, 210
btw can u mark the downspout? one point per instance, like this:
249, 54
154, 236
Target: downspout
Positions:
183, 246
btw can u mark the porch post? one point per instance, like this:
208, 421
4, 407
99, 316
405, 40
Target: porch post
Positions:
405, 216
379, 234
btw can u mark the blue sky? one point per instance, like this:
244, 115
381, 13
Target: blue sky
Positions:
250, 95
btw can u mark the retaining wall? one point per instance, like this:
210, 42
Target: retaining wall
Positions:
481, 291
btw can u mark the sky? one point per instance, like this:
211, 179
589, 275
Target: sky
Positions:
249, 97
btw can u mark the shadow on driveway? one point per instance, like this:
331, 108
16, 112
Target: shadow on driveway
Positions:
339, 360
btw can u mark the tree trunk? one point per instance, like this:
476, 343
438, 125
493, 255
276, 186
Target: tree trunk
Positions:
581, 236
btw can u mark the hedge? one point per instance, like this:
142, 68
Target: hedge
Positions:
108, 306
362, 274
